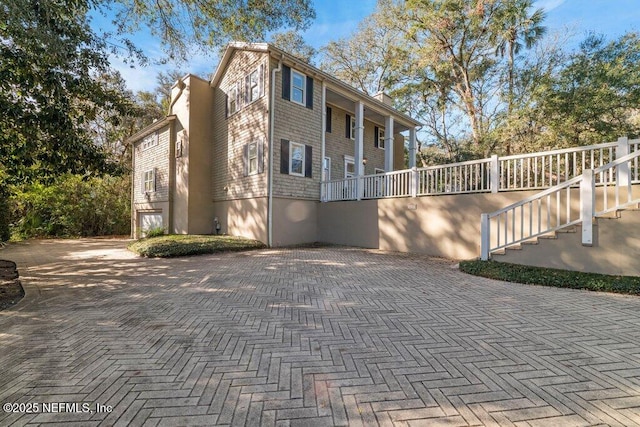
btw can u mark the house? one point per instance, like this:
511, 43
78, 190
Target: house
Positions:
244, 153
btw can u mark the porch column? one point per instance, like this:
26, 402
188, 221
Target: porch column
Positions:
412, 148
388, 144
359, 148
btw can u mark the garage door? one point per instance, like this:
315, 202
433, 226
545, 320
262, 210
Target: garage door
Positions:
149, 221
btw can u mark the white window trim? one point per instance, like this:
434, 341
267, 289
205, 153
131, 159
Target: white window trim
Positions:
152, 172
150, 141
249, 157
303, 89
253, 83
349, 160
381, 138
304, 149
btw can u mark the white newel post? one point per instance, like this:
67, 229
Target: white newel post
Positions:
587, 200
414, 182
495, 174
484, 237
412, 147
359, 149
388, 144
622, 171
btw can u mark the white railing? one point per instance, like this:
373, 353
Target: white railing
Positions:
518, 172
552, 210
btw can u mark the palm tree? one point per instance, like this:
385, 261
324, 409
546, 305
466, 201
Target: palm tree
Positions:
516, 29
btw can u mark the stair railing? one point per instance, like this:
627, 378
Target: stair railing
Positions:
551, 210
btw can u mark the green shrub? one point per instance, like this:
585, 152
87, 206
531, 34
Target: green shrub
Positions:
181, 245
72, 206
154, 232
5, 212
552, 277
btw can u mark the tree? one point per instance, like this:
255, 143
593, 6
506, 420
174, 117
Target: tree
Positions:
595, 97
293, 43
369, 58
515, 29
49, 60
180, 25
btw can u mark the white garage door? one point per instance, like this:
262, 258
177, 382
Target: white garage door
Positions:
149, 221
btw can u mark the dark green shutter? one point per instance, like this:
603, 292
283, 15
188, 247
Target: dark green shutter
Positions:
284, 156
375, 136
308, 161
286, 83
328, 119
347, 128
245, 160
309, 93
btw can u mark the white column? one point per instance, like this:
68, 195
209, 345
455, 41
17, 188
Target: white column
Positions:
388, 144
359, 148
412, 147
587, 187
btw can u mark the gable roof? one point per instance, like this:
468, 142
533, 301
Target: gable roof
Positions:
291, 60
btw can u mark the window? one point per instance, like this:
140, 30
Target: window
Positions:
296, 159
150, 141
298, 86
380, 138
234, 98
149, 181
254, 86
350, 127
328, 120
349, 167
253, 158
233, 103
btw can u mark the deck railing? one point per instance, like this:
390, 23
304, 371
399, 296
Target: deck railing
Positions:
518, 172
552, 209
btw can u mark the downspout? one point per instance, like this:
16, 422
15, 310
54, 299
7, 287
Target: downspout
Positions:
134, 220
272, 103
323, 139
181, 86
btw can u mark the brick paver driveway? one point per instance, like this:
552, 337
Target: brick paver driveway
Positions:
327, 336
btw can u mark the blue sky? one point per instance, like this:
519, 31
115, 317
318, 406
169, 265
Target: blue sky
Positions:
338, 18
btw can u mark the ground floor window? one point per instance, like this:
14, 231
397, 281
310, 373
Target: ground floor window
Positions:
349, 167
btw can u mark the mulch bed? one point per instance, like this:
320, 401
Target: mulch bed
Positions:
10, 288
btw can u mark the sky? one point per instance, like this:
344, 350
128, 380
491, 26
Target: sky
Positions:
337, 19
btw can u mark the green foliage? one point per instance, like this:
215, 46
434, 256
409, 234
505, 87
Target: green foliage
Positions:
154, 232
49, 60
187, 23
72, 206
182, 245
595, 97
4, 207
293, 43
552, 277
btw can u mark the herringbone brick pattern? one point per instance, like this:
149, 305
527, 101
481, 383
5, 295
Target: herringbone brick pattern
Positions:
324, 336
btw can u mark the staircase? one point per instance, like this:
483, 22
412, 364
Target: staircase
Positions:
615, 249
590, 222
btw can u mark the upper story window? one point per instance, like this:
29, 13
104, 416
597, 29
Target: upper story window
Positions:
298, 87
233, 102
150, 141
254, 84
352, 133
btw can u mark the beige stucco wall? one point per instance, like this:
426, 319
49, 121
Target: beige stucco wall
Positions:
243, 217
294, 221
447, 226
198, 152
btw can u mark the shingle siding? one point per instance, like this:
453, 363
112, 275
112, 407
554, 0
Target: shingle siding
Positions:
297, 123
232, 133
153, 157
